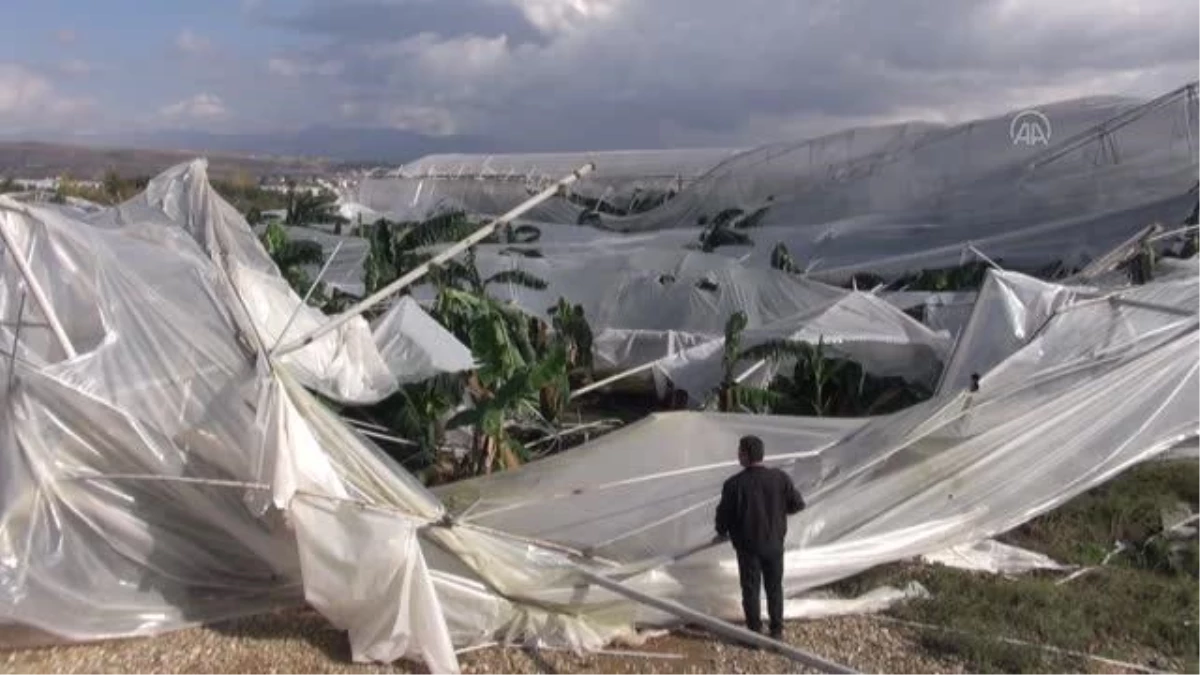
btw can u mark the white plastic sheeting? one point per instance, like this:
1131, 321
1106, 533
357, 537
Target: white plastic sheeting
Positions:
947, 473
146, 484
416, 347
994, 557
1009, 310
359, 585
643, 305
171, 475
858, 326
885, 200
345, 365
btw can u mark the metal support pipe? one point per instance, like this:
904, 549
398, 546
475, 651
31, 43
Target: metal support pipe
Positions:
420, 271
304, 300
35, 289
1166, 309
615, 378
716, 625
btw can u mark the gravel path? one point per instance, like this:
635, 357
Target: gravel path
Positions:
301, 641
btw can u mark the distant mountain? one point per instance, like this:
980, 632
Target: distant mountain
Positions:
384, 146
33, 159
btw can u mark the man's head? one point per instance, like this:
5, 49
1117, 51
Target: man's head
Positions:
750, 450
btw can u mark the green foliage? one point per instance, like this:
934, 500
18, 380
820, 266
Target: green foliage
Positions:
820, 384
523, 375
397, 247
9, 185
113, 189
1135, 608
829, 386
782, 260
494, 446
291, 256
1127, 510
306, 208
571, 327
726, 227
965, 277
245, 195
640, 200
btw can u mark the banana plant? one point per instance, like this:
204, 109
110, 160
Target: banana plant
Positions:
291, 256
493, 446
732, 395
571, 326
782, 260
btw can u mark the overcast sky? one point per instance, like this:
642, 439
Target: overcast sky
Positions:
575, 73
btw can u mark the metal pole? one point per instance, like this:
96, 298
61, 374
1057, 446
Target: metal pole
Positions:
609, 380
1154, 307
479, 235
983, 257
304, 301
12, 362
38, 296
716, 625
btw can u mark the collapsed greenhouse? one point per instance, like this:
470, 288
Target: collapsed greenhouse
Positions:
169, 457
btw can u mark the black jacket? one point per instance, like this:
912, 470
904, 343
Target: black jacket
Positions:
754, 508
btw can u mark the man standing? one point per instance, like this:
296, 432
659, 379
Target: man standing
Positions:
753, 515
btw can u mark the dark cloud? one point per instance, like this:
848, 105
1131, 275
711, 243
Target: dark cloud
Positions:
637, 73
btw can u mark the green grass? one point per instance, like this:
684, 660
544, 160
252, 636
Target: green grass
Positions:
1142, 607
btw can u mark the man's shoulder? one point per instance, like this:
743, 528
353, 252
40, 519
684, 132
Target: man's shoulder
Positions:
735, 479
780, 475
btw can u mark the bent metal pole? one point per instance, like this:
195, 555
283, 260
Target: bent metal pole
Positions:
34, 287
714, 624
420, 271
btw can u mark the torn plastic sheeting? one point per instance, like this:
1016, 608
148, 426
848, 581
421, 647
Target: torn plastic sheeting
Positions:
886, 200
916, 485
299, 462
364, 571
1010, 308
995, 557
415, 346
345, 364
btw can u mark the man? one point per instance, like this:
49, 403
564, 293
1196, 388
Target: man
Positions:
753, 515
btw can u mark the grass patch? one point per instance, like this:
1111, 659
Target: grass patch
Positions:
1141, 607
1128, 509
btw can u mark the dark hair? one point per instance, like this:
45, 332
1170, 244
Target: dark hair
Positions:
753, 447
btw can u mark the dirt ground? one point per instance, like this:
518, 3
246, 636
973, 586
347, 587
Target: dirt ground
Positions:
301, 641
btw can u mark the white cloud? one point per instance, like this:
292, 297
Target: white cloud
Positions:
560, 16
29, 99
188, 42
199, 108
582, 73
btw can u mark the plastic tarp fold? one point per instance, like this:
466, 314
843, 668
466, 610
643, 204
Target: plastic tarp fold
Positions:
415, 346
365, 572
344, 365
1007, 313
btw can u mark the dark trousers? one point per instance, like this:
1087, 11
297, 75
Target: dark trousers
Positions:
757, 569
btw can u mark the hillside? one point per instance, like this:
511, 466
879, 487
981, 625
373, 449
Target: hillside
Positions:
32, 159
